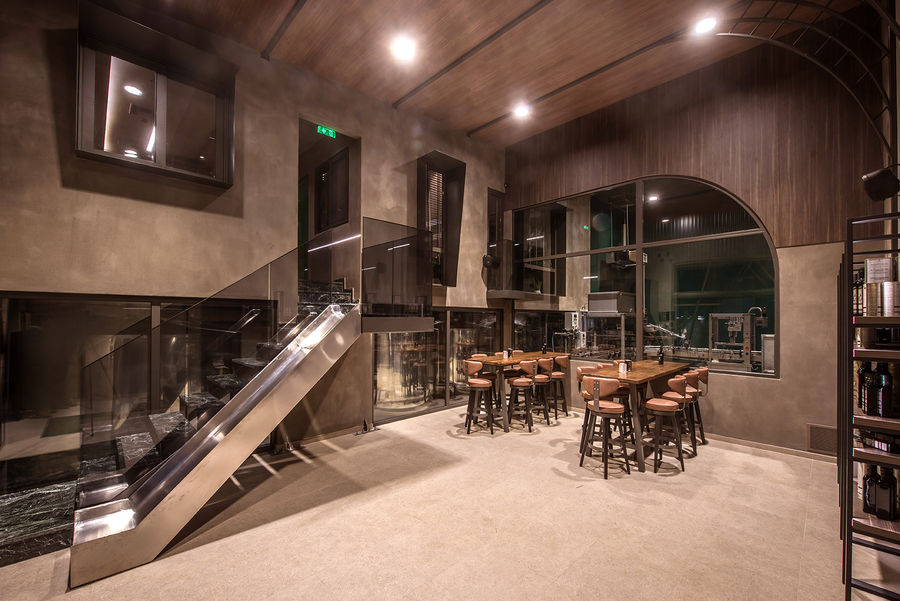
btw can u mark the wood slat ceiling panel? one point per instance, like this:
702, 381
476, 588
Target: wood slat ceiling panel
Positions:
563, 41
648, 70
249, 22
348, 41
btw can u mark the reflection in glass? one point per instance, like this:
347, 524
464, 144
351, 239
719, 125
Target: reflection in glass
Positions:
190, 129
685, 283
533, 329
471, 332
540, 232
396, 269
683, 208
613, 217
405, 374
124, 108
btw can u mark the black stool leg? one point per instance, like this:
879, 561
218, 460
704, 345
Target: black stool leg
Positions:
604, 425
624, 450
657, 453
699, 420
690, 420
546, 403
528, 418
586, 439
678, 441
469, 410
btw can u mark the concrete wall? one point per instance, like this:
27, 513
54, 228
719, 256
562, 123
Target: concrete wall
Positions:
75, 225
777, 410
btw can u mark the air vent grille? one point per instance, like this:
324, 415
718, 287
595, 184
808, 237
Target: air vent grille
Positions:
821, 439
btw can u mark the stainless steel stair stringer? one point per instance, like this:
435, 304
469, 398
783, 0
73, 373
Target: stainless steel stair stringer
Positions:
126, 533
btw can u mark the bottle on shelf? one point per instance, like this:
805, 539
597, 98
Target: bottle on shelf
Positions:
870, 405
861, 384
870, 485
886, 495
661, 357
884, 391
544, 349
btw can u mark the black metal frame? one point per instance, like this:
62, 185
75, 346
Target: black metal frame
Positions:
850, 534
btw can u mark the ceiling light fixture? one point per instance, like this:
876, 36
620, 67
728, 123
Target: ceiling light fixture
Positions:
403, 48
653, 198
131, 154
134, 90
202, 158
705, 25
665, 220
522, 110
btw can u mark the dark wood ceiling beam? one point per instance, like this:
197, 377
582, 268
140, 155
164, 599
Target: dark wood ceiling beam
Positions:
472, 51
276, 37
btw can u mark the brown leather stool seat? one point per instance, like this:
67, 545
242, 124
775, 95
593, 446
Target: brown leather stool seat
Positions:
479, 383
480, 393
606, 407
521, 382
661, 405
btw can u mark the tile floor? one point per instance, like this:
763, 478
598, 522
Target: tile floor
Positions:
420, 510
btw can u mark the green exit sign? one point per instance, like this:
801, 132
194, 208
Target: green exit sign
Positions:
325, 131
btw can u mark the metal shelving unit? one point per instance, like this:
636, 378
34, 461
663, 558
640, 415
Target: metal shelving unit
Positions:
857, 528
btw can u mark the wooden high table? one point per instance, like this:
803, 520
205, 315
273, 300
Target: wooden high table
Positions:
641, 374
498, 363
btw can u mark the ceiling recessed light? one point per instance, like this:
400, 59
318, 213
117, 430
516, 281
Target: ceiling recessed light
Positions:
522, 110
653, 198
134, 90
131, 154
665, 221
705, 25
202, 158
403, 48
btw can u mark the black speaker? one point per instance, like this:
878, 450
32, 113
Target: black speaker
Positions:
881, 184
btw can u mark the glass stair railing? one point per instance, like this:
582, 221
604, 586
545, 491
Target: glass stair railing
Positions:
170, 416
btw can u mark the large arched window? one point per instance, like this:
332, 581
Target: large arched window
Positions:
703, 290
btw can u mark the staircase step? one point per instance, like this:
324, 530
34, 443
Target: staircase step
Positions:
266, 351
36, 521
172, 430
246, 368
222, 385
200, 404
134, 448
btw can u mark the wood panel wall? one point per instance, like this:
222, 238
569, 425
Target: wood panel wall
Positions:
765, 125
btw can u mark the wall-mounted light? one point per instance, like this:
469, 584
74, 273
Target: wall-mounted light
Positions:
131, 154
653, 198
591, 277
881, 184
533, 238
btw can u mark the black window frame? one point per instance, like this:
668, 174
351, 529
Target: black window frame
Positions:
103, 31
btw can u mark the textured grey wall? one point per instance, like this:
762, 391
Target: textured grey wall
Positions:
776, 411
74, 225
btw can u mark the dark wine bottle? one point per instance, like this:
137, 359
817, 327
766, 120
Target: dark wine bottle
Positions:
861, 384
870, 484
871, 387
885, 391
886, 495
661, 357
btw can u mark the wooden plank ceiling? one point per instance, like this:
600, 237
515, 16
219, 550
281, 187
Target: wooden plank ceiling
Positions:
501, 52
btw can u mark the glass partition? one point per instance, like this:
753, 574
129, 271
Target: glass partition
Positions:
471, 332
727, 283
613, 217
682, 208
396, 269
145, 399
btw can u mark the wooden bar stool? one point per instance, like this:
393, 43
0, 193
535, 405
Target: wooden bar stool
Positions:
599, 393
539, 383
480, 392
660, 410
558, 384
545, 368
523, 385
678, 393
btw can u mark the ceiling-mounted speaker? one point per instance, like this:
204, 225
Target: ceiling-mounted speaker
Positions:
881, 184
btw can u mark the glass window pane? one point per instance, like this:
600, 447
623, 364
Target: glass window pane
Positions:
190, 129
688, 284
682, 208
124, 108
613, 217
470, 333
